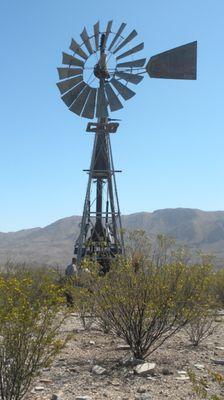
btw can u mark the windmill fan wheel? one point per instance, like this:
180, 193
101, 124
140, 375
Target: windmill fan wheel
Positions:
103, 56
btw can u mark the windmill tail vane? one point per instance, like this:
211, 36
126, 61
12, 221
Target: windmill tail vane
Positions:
95, 81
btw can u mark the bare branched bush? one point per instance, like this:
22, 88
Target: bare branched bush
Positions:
201, 327
85, 305
138, 246
79, 287
162, 250
29, 328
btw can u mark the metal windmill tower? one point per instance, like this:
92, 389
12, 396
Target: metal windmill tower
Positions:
93, 83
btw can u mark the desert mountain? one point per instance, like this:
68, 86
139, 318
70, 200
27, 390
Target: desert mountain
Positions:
53, 244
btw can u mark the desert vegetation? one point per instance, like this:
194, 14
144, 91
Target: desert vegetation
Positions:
150, 295
147, 304
201, 385
147, 297
29, 326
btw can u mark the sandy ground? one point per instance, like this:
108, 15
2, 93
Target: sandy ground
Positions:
71, 374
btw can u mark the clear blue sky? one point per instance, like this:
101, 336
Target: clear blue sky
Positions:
170, 142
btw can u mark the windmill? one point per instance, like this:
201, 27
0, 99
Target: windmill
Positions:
94, 82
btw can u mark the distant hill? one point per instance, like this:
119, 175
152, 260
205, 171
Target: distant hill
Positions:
53, 244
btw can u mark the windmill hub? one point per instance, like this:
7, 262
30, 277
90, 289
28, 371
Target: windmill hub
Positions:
100, 69
101, 228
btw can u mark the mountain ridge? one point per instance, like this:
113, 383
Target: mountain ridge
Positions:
53, 244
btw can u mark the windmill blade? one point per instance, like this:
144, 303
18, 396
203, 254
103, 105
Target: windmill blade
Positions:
108, 30
123, 90
69, 72
74, 46
68, 84
132, 64
131, 51
96, 29
177, 63
133, 78
88, 111
70, 96
113, 99
85, 38
116, 37
101, 105
78, 104
70, 60
125, 41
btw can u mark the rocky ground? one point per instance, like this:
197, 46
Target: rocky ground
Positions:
92, 366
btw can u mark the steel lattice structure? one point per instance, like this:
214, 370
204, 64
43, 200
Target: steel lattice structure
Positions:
94, 83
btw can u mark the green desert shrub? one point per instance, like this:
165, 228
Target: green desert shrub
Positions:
29, 328
219, 286
147, 305
208, 387
202, 324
